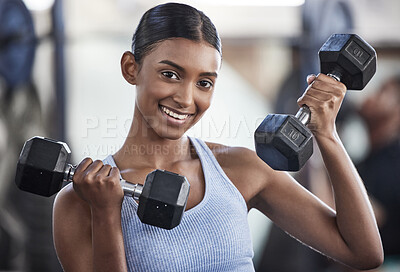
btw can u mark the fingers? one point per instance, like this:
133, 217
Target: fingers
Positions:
323, 88
310, 78
83, 165
324, 96
114, 172
94, 167
98, 184
104, 170
328, 84
89, 169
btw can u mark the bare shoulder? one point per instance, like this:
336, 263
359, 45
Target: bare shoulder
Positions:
243, 167
233, 156
67, 201
70, 211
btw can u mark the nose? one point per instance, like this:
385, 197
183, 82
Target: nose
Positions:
184, 95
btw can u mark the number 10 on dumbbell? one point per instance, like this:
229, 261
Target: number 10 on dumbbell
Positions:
43, 167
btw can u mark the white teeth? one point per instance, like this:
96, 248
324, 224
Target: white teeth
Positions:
173, 114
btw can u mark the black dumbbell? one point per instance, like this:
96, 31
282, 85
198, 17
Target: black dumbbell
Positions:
43, 167
283, 141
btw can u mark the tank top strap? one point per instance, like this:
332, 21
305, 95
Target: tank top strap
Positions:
213, 172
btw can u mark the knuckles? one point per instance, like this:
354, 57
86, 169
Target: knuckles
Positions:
323, 89
323, 96
97, 163
97, 184
96, 173
327, 82
86, 160
102, 176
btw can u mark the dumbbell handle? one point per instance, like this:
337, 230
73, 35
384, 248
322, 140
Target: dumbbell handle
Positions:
130, 189
304, 113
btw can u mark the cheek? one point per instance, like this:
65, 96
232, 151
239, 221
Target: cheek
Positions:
148, 84
203, 101
151, 92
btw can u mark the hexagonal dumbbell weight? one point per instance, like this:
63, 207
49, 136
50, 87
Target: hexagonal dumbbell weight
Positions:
283, 141
43, 166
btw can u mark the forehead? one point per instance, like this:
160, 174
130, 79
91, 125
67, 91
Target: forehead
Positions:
187, 54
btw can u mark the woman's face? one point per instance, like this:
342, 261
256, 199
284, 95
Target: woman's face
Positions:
175, 85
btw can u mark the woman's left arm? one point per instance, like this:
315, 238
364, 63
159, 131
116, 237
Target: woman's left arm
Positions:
354, 215
349, 234
355, 218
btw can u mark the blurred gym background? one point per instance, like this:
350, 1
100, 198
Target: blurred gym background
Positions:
60, 78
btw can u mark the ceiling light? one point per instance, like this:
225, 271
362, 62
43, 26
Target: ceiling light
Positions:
249, 3
39, 5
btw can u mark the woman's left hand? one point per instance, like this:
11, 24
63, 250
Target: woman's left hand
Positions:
324, 96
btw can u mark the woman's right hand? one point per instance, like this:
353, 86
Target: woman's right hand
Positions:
87, 220
98, 184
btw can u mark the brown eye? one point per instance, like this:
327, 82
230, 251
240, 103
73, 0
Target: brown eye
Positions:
205, 84
170, 74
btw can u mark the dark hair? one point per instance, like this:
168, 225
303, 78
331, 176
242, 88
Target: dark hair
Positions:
172, 20
396, 81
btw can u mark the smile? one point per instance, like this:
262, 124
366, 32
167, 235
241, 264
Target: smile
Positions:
174, 114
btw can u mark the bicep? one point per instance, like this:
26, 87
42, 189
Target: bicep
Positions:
301, 214
72, 231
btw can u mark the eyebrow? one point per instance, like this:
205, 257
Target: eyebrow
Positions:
180, 68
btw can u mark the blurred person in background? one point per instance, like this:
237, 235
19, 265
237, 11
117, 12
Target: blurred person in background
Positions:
380, 170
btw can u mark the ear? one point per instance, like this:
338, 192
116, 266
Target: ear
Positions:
129, 67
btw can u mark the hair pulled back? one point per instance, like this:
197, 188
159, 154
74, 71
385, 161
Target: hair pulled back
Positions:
172, 20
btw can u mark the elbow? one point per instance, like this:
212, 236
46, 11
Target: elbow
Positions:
371, 264
369, 261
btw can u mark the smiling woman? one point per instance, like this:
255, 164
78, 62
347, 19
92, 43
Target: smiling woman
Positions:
174, 66
174, 85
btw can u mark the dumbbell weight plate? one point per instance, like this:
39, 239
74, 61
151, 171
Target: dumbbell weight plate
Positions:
163, 199
351, 57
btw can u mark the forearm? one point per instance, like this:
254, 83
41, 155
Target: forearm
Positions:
355, 218
107, 242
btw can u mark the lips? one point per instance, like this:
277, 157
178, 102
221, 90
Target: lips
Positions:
174, 113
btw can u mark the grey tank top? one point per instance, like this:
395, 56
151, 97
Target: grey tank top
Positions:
212, 236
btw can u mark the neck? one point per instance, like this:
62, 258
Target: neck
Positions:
144, 148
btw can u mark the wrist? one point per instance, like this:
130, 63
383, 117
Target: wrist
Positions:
107, 215
326, 137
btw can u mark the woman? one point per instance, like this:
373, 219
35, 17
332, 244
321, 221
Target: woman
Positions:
174, 64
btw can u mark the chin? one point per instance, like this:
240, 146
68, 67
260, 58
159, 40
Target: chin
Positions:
171, 135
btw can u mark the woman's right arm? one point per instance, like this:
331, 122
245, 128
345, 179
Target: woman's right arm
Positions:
87, 220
